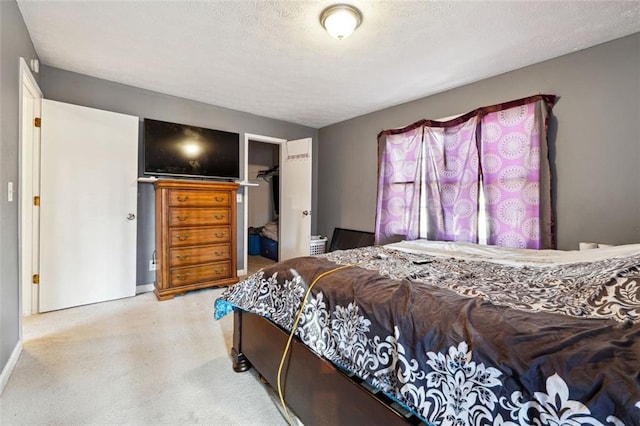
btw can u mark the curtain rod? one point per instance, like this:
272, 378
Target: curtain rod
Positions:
482, 111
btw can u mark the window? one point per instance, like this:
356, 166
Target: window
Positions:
483, 177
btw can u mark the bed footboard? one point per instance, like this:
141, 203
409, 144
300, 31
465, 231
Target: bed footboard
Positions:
316, 391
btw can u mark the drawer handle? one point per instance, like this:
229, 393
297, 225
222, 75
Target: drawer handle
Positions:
220, 235
182, 237
182, 277
218, 216
183, 218
186, 256
182, 199
219, 199
219, 271
220, 253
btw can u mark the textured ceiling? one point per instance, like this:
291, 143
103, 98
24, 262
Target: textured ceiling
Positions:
272, 58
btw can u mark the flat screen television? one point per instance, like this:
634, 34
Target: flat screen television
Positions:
172, 149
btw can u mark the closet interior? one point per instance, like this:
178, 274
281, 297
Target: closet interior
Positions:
263, 204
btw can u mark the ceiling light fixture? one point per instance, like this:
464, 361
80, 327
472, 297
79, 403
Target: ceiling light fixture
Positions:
340, 20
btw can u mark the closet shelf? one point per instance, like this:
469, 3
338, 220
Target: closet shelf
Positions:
247, 183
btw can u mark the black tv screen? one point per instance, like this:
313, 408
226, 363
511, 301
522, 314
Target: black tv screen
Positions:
172, 149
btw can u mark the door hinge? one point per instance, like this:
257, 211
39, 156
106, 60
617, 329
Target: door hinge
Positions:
36, 279
37, 122
36, 200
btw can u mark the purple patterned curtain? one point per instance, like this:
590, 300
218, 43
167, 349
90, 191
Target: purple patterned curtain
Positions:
431, 173
516, 176
451, 180
399, 175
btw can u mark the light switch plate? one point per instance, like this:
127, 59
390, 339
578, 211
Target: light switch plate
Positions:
239, 198
10, 191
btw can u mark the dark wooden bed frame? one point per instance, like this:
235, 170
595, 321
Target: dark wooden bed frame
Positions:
314, 389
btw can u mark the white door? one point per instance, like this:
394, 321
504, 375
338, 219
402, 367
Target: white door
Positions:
295, 199
89, 163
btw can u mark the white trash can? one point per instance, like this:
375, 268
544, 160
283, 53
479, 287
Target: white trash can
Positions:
318, 245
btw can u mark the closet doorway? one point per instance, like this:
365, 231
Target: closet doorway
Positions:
282, 170
263, 204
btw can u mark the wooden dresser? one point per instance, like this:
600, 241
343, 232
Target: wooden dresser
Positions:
195, 236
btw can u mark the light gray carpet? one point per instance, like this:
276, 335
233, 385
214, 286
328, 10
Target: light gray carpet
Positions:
134, 361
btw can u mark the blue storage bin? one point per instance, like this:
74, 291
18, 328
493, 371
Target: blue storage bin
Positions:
254, 245
269, 248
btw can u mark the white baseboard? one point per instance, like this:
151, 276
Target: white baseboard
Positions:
144, 288
8, 368
241, 272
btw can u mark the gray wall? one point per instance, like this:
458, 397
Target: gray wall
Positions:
595, 136
65, 86
14, 43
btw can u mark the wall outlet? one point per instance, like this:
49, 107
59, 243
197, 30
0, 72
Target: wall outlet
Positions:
153, 266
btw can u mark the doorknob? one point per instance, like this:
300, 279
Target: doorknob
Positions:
306, 212
131, 216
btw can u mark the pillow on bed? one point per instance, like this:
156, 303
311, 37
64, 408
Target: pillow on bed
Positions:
589, 246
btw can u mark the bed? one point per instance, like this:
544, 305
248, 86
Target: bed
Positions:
448, 334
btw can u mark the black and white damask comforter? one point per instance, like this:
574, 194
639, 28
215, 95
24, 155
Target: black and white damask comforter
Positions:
465, 335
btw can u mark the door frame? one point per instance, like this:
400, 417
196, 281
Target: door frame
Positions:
29, 157
246, 183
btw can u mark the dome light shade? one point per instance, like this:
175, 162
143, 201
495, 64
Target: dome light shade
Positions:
340, 20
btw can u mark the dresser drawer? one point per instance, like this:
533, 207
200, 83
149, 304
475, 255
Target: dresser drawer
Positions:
191, 198
189, 217
200, 273
199, 254
182, 237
